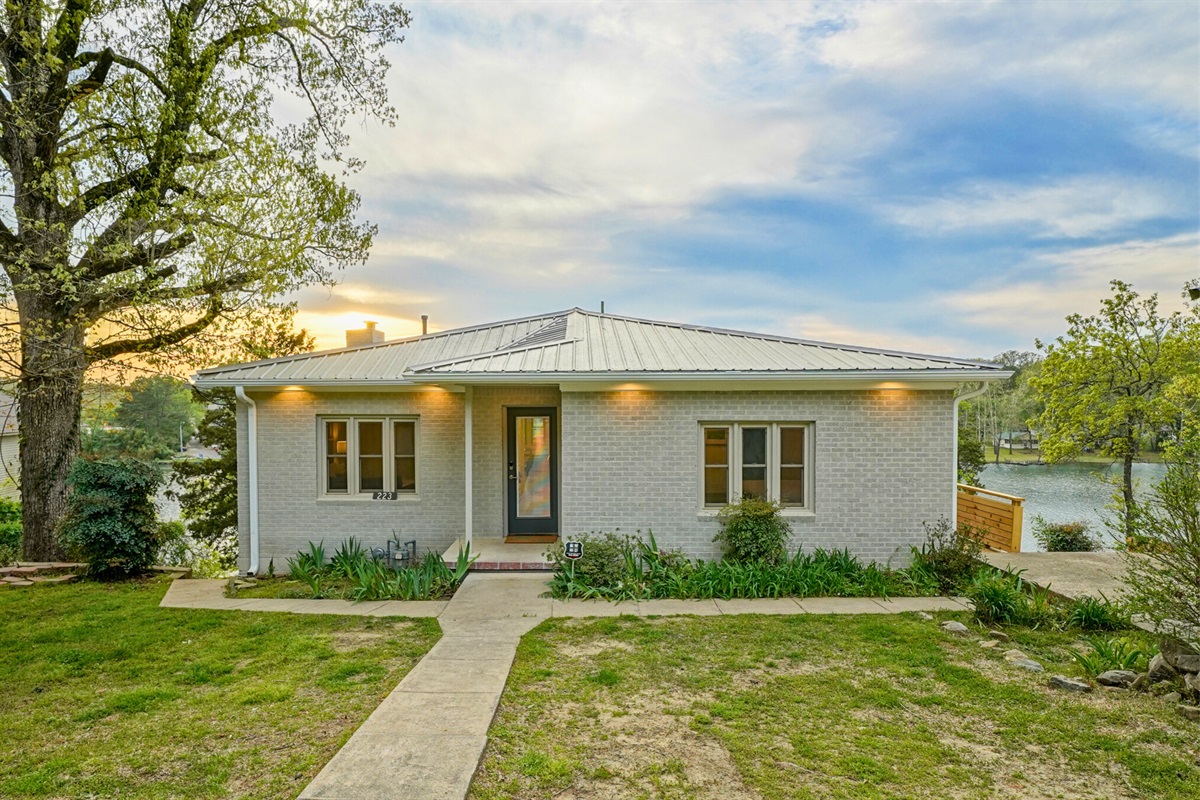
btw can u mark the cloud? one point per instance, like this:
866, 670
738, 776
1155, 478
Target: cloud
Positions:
551, 155
1074, 281
1074, 207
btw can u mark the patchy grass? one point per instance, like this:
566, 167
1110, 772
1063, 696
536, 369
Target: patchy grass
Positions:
107, 695
817, 707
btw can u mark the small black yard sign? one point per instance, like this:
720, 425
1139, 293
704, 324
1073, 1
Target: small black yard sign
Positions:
573, 550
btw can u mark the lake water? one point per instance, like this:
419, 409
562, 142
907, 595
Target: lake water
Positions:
1067, 492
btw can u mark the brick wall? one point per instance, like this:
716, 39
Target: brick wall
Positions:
882, 464
629, 460
292, 512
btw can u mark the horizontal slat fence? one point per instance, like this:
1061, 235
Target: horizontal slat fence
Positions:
998, 515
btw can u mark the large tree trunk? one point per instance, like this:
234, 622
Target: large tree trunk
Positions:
49, 402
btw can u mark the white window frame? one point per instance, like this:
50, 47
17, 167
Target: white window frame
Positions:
352, 455
774, 451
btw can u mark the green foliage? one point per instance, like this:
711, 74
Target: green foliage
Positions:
1164, 577
1064, 537
178, 549
167, 204
971, 458
753, 529
10, 524
135, 443
1103, 382
949, 556
354, 574
632, 568
111, 520
997, 598
162, 408
1089, 613
1113, 653
208, 486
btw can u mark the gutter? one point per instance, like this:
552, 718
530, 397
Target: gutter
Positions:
252, 460
958, 399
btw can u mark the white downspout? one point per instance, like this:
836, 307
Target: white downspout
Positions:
468, 449
252, 461
958, 399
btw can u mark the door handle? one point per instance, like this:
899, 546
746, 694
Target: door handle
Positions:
512, 470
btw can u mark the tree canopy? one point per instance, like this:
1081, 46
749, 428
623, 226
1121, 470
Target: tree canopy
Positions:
153, 198
1104, 382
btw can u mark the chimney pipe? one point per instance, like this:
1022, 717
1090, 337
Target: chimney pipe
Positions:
424, 324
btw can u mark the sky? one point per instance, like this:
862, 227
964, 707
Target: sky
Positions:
950, 178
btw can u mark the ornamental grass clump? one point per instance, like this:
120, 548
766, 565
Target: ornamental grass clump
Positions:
753, 529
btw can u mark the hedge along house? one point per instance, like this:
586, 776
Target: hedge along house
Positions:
556, 425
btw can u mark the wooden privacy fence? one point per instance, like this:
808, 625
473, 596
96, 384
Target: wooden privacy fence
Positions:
998, 515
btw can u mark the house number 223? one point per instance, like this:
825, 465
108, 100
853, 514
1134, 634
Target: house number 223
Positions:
385, 495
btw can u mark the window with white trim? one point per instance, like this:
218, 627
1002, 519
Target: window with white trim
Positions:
755, 459
364, 455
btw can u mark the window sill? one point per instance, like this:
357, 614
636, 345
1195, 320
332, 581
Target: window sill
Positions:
365, 498
787, 512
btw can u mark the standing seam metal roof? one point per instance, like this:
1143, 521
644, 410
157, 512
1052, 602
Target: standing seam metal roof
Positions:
578, 342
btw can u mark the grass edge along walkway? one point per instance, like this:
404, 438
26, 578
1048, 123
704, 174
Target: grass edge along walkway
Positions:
427, 737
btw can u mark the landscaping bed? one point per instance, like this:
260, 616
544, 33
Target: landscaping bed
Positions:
820, 706
106, 694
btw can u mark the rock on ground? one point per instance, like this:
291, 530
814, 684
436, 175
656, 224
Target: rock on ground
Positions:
1029, 665
1117, 677
1070, 684
955, 627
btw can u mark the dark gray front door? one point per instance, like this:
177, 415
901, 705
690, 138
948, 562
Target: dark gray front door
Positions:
532, 474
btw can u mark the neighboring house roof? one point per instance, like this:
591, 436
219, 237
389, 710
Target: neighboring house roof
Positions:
578, 345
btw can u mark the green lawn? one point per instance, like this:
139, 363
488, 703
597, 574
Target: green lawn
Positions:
107, 695
817, 706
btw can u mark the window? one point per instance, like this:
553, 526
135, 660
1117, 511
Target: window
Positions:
369, 454
755, 460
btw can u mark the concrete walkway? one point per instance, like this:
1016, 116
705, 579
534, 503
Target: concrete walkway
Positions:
1068, 575
426, 738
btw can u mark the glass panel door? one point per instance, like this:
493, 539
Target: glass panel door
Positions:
533, 467
531, 474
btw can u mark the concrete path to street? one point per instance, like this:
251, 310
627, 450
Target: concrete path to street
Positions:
1069, 575
425, 740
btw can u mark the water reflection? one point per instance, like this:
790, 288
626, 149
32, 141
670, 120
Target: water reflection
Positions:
1067, 492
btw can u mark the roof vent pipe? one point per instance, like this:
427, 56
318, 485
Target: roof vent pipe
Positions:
601, 306
424, 324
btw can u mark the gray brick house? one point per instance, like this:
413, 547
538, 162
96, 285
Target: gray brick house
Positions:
575, 421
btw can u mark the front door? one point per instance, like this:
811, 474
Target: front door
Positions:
532, 471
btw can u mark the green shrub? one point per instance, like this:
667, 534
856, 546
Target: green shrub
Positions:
1064, 537
1096, 614
950, 556
111, 520
753, 529
1106, 654
605, 563
1163, 579
10, 524
997, 598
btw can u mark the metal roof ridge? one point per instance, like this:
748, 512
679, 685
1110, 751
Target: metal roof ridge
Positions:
791, 340
390, 343
427, 365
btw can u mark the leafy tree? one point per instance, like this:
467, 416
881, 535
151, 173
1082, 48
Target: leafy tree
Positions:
971, 458
208, 497
153, 200
1103, 382
161, 406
